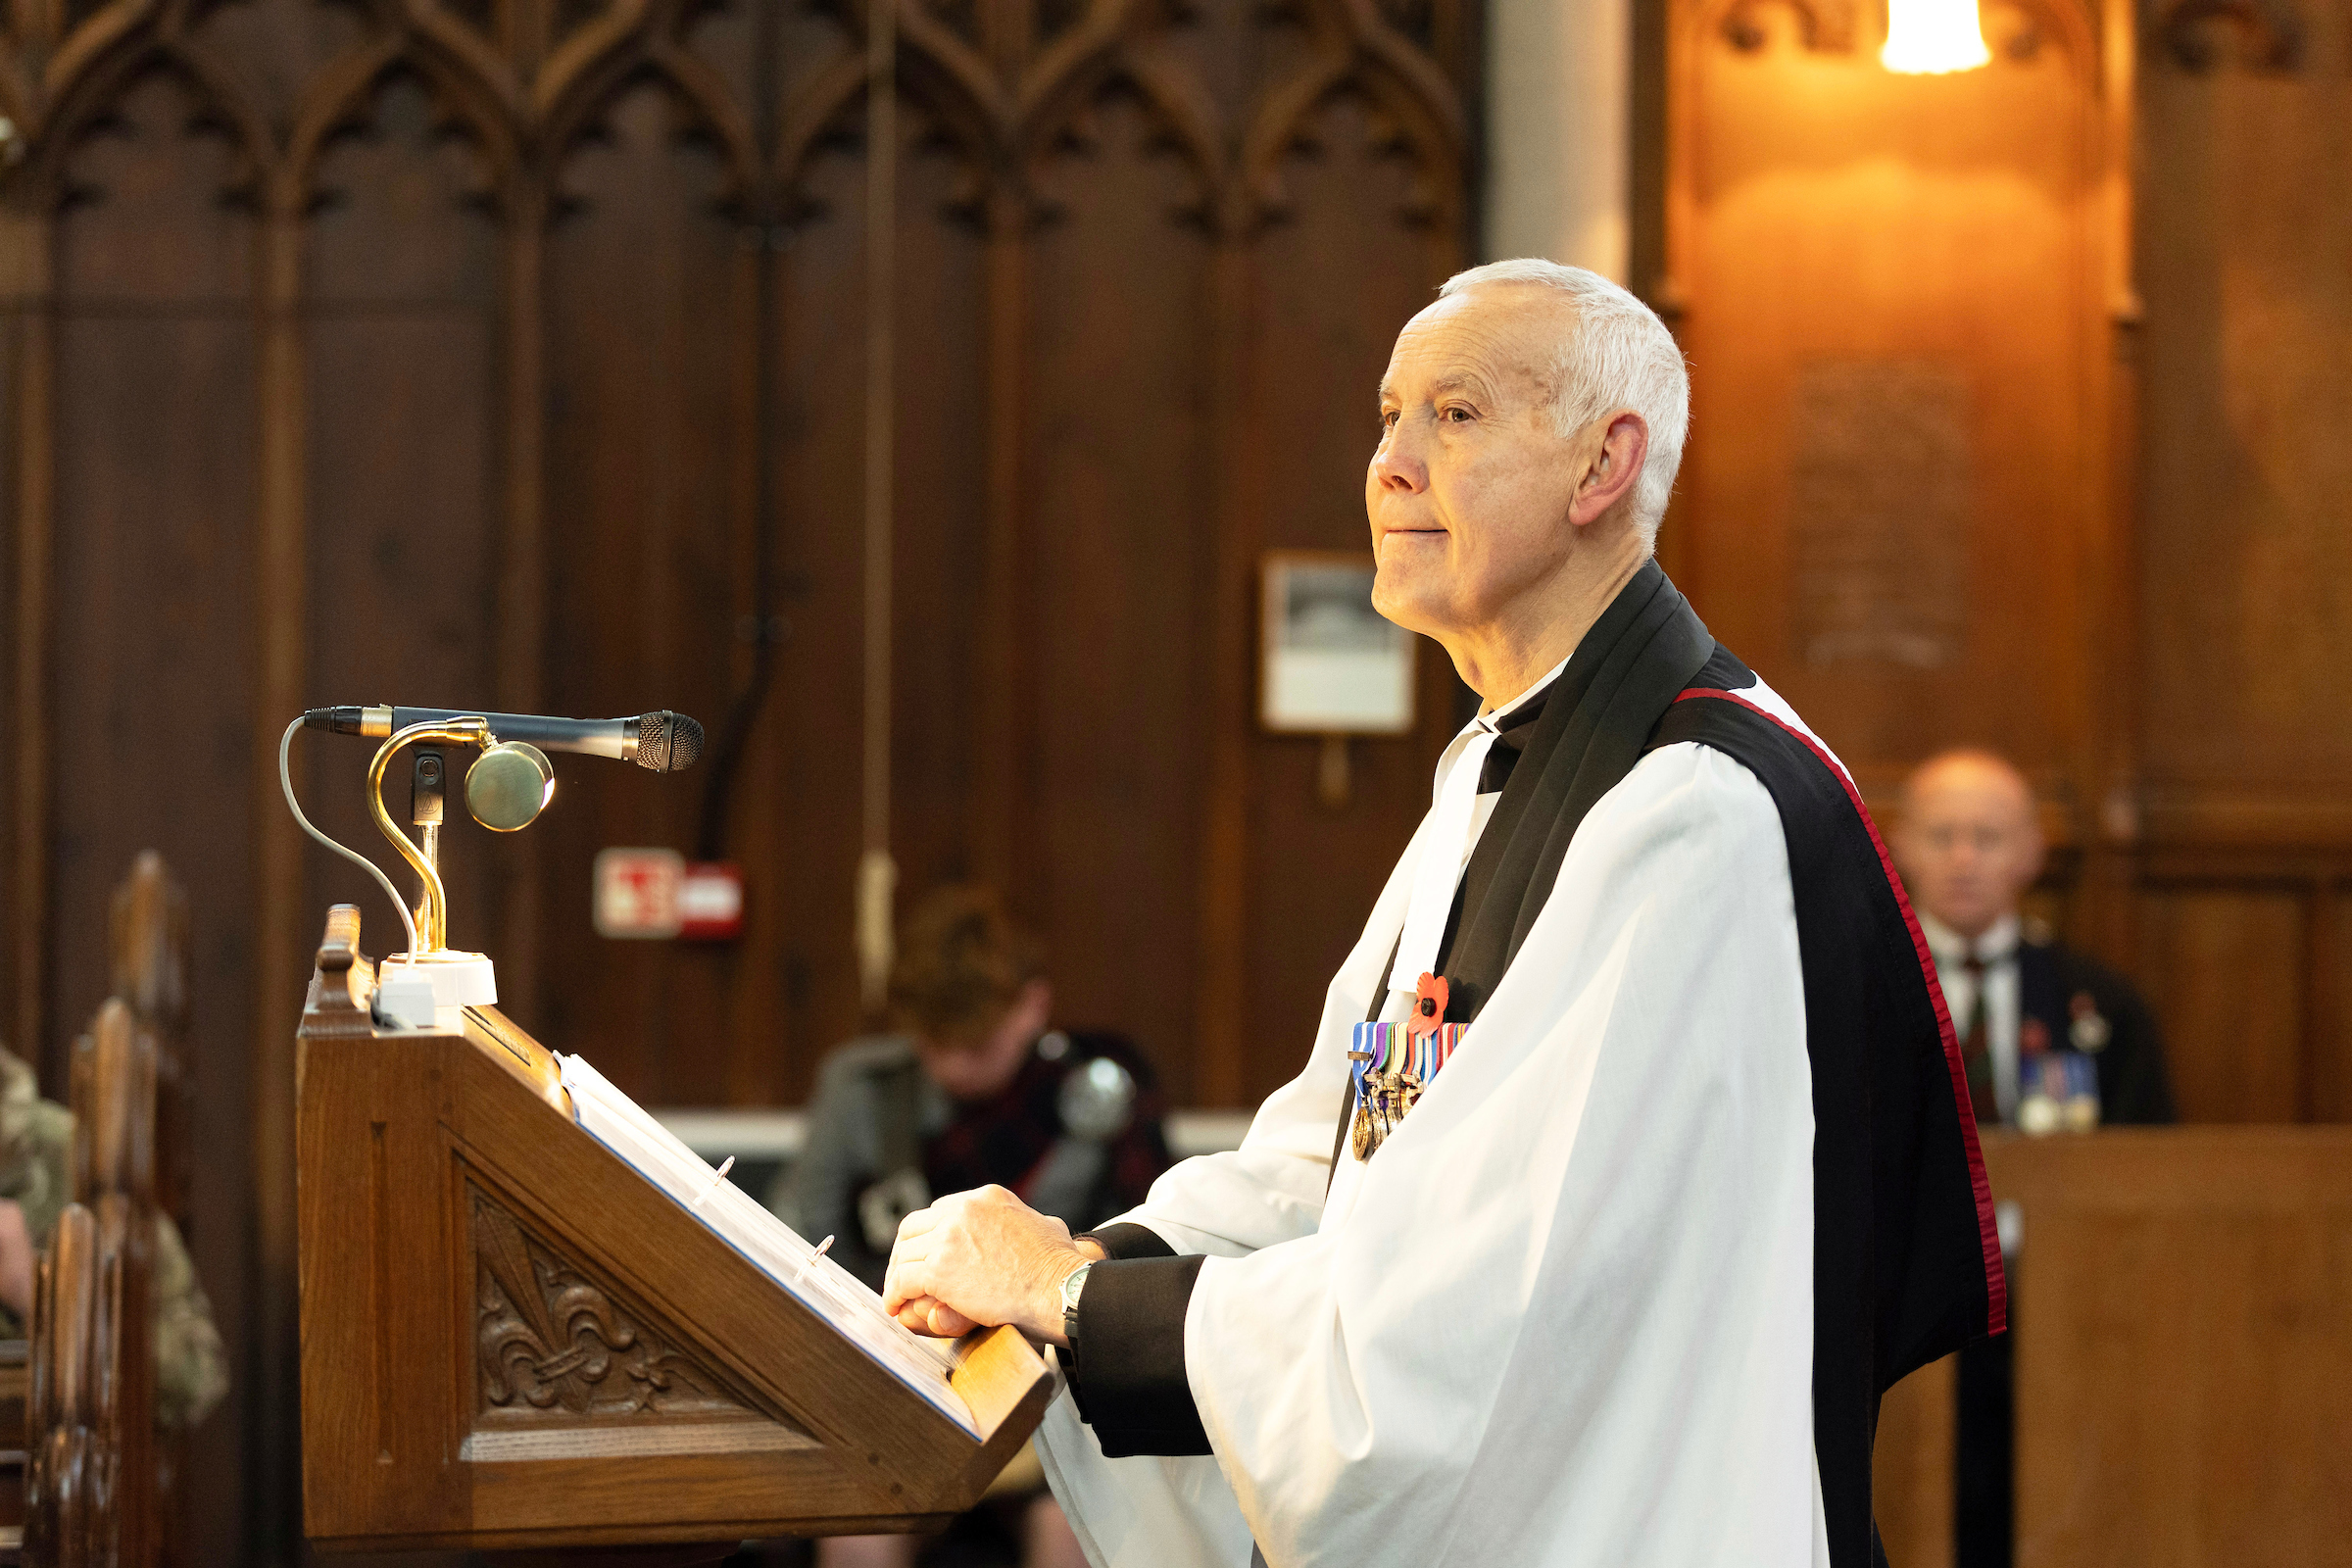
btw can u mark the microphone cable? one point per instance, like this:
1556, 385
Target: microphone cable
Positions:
286, 780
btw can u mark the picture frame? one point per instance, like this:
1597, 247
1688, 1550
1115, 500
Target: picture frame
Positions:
1329, 664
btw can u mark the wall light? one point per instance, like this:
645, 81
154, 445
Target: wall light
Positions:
1934, 37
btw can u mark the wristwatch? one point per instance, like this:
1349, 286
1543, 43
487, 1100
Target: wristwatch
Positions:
1071, 1284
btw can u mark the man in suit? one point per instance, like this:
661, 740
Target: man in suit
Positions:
2034, 1018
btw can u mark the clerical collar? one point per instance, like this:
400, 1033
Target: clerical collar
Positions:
1998, 941
1510, 715
1514, 726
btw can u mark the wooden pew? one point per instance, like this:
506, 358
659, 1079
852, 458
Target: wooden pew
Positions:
96, 1486
90, 1491
15, 1376
148, 962
2183, 1354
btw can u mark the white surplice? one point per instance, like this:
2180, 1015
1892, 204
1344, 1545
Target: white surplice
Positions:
1565, 1315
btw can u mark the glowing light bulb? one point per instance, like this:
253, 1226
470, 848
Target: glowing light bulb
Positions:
1924, 36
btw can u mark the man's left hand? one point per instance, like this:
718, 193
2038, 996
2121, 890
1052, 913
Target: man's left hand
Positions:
980, 1258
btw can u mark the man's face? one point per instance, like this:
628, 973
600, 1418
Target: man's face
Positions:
1968, 845
982, 1065
1469, 490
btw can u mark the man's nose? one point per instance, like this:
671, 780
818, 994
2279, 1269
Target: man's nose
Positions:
1397, 466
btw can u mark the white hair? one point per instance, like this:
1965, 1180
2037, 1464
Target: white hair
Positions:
1619, 356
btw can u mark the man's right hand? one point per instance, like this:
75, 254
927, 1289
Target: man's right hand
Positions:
919, 1309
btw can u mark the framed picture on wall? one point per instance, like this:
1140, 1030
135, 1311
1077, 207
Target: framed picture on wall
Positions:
1329, 665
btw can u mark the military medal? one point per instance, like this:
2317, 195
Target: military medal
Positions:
2081, 1093
1392, 1064
2058, 1091
2040, 1094
2088, 1032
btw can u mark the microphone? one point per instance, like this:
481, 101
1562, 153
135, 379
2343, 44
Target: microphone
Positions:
662, 741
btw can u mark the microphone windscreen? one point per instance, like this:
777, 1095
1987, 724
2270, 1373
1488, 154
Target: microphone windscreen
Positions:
667, 742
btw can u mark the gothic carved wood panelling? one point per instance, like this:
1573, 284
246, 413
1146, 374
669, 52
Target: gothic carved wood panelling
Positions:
513, 353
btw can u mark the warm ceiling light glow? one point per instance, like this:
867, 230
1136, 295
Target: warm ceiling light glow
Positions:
1934, 35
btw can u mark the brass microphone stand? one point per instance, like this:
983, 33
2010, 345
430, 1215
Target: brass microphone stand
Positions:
506, 789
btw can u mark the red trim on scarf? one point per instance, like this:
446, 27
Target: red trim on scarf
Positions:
1996, 1281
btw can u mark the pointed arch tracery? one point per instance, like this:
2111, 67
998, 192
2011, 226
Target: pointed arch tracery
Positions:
530, 87
343, 97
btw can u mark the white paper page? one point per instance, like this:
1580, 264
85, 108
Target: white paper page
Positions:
772, 1246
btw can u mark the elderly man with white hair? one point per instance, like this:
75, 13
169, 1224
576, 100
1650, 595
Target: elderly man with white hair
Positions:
1629, 1165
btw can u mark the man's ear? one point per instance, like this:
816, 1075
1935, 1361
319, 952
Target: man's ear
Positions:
1612, 470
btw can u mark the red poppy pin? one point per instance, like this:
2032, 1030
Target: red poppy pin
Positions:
1429, 1006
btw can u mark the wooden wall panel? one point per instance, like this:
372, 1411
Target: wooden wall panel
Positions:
151, 674
2245, 571
2226, 973
401, 333
1897, 311
1117, 403
803, 796
2331, 1003
943, 483
2248, 582
641, 447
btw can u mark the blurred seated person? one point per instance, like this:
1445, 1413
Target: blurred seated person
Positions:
975, 1088
36, 1143
1968, 845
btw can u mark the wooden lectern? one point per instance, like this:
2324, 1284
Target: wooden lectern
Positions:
511, 1340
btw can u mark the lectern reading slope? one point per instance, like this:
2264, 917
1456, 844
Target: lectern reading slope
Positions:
531, 1318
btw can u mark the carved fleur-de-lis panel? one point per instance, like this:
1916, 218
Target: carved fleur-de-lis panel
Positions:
550, 1338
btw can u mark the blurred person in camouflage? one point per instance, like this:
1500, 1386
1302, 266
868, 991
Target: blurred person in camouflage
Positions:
36, 1145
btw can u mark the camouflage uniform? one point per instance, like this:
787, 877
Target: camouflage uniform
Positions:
36, 1145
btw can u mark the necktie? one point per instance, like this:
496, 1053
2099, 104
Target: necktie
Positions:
1975, 1047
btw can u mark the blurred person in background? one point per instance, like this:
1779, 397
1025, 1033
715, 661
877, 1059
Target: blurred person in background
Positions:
977, 1088
36, 1150
2030, 1011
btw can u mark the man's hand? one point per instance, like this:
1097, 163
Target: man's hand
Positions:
15, 1261
981, 1257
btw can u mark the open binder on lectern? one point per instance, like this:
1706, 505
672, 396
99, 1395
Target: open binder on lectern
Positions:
533, 1318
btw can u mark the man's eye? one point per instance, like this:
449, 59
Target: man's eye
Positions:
1387, 419
1458, 414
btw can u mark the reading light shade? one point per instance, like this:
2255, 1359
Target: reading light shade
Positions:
1934, 35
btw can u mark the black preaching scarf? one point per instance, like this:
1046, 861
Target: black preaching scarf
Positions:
1906, 1263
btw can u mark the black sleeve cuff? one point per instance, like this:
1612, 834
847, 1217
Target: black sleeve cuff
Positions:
1128, 1375
1127, 1241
